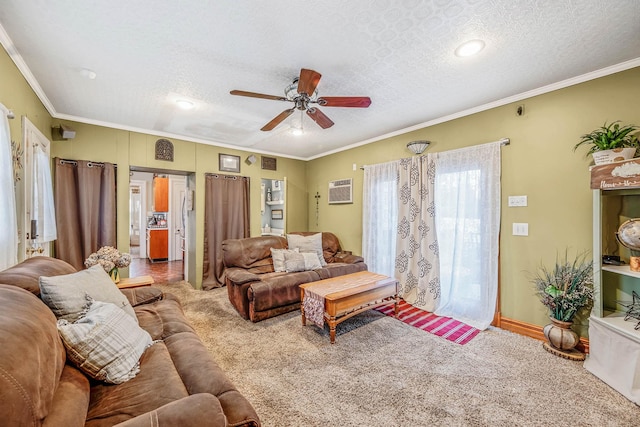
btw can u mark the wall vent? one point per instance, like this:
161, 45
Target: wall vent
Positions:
341, 191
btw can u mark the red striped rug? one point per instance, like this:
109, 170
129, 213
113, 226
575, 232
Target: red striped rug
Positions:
445, 327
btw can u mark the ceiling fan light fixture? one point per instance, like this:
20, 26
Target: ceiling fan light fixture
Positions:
418, 147
469, 48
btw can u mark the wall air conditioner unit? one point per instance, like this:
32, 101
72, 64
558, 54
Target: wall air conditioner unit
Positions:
341, 191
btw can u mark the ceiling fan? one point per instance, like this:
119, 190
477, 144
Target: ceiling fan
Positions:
303, 93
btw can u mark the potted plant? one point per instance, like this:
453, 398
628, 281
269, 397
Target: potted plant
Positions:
611, 143
565, 290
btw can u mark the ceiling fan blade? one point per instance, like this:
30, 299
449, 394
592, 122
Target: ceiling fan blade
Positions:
257, 95
278, 119
320, 118
345, 101
308, 81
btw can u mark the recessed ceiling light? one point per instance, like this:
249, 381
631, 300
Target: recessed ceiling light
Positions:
184, 104
469, 48
90, 74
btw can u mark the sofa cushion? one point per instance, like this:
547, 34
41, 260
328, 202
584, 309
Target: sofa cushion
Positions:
304, 261
278, 289
330, 243
105, 343
311, 243
278, 256
250, 252
71, 399
163, 318
66, 295
26, 274
32, 357
157, 384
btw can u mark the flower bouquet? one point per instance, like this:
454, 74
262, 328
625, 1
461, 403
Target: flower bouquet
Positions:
110, 259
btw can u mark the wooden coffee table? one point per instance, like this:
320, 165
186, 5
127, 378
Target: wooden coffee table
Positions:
351, 294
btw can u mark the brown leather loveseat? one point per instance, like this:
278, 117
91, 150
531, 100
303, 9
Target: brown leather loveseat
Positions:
258, 292
178, 384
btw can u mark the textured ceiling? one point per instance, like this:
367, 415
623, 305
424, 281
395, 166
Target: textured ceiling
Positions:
147, 54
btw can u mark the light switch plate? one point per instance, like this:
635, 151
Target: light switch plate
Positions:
520, 229
517, 201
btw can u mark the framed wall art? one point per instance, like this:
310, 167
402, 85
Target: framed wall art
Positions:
268, 163
276, 214
228, 163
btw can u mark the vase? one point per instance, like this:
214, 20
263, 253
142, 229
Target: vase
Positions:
115, 275
560, 335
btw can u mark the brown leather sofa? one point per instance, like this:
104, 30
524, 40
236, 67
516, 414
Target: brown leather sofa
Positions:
257, 292
179, 384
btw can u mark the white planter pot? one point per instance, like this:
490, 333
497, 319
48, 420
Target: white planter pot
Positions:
615, 155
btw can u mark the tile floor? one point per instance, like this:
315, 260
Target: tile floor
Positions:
162, 272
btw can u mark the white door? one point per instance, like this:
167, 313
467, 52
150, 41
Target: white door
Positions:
176, 218
34, 141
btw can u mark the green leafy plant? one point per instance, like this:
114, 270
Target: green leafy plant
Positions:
566, 288
608, 137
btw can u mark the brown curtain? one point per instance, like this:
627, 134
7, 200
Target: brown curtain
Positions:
226, 216
85, 201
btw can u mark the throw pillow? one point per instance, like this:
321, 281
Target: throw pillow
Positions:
278, 258
301, 261
312, 243
105, 343
66, 295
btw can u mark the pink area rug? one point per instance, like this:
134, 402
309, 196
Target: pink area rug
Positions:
444, 327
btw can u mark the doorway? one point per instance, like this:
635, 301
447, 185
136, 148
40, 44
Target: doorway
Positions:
144, 227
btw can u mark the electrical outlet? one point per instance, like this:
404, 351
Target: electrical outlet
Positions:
517, 201
520, 229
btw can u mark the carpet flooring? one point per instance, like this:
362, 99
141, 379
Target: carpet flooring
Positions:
382, 372
445, 327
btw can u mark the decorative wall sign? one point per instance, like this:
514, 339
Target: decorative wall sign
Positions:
16, 155
164, 150
269, 163
617, 175
276, 214
228, 163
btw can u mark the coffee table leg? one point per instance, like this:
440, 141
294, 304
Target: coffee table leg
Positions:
395, 306
332, 329
304, 319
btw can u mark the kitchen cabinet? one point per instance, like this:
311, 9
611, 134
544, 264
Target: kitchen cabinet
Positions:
160, 194
158, 244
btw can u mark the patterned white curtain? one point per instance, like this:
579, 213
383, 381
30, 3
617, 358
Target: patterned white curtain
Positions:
380, 216
9, 229
467, 191
416, 262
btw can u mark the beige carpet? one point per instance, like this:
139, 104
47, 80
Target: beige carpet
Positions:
382, 372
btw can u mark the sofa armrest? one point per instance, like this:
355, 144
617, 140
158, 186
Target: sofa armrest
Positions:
142, 295
200, 409
239, 276
347, 258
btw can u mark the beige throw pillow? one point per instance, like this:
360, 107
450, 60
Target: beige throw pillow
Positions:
278, 258
106, 343
312, 243
66, 295
304, 261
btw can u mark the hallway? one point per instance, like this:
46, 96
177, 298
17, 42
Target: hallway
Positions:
162, 272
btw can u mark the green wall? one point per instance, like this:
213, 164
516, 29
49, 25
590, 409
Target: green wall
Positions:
132, 149
539, 163
126, 149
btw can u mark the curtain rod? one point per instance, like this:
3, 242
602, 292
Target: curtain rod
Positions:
8, 112
502, 141
89, 164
